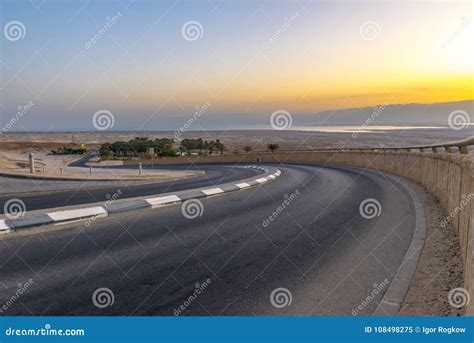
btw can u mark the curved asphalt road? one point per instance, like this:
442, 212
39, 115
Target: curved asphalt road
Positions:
319, 248
84, 193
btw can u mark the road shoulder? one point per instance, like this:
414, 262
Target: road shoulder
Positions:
440, 266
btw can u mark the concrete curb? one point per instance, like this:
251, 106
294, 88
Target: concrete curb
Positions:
393, 298
45, 177
76, 213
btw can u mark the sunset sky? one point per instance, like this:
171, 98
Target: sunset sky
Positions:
250, 58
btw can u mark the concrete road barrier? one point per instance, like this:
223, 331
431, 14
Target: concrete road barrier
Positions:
47, 217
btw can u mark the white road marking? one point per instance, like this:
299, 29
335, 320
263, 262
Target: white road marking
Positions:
212, 191
3, 225
163, 200
77, 214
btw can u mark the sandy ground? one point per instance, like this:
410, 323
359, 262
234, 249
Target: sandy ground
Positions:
56, 166
440, 267
236, 139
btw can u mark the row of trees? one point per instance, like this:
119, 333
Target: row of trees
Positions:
138, 146
191, 144
70, 151
163, 147
271, 147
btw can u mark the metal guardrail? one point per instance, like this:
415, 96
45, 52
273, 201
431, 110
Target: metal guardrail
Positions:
461, 145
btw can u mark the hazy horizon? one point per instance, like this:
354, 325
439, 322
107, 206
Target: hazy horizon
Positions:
391, 115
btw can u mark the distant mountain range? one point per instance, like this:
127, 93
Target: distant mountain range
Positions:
407, 114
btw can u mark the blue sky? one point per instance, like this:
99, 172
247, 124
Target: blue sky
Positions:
252, 58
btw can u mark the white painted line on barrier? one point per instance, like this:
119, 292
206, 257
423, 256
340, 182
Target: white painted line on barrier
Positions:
3, 225
82, 213
77, 214
163, 200
212, 191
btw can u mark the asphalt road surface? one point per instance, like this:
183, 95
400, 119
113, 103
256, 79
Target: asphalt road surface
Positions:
318, 255
93, 191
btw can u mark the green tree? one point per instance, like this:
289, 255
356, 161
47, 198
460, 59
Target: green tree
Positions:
167, 151
273, 147
220, 147
104, 150
247, 148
